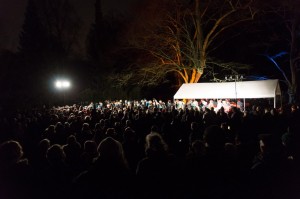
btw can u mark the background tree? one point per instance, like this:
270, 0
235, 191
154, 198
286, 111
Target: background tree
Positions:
9, 84
33, 45
277, 39
33, 34
62, 24
291, 17
102, 56
180, 38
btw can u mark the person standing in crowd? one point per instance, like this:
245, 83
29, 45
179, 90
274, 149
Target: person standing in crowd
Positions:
16, 175
108, 177
158, 166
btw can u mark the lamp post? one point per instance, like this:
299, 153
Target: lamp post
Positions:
235, 78
63, 85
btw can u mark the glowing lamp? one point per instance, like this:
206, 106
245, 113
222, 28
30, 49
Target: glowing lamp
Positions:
62, 84
58, 84
66, 84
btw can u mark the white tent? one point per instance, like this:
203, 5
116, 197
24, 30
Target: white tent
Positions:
230, 90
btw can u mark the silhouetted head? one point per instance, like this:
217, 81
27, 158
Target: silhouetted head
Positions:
71, 139
51, 129
111, 132
154, 129
214, 137
269, 144
155, 144
111, 150
11, 153
56, 155
198, 148
59, 126
90, 146
194, 126
44, 146
129, 134
85, 127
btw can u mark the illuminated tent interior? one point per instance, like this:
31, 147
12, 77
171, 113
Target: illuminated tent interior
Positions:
230, 90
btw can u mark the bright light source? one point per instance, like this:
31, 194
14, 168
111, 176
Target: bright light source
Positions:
58, 84
62, 84
66, 84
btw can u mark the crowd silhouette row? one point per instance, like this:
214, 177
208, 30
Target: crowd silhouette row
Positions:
127, 150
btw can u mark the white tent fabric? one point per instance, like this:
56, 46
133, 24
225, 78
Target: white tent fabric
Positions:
230, 90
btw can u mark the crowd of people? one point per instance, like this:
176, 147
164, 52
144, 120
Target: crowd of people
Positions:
150, 149
176, 104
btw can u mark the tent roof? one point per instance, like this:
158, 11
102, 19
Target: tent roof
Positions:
229, 90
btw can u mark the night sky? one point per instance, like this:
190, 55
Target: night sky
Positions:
12, 16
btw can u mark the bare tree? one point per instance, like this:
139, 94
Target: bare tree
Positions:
181, 40
292, 21
289, 22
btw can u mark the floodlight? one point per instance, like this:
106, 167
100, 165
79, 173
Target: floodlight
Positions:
66, 84
62, 84
58, 84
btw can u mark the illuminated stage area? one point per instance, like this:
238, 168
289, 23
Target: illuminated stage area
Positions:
230, 90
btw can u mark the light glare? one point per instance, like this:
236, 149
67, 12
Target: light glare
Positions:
62, 84
58, 84
66, 84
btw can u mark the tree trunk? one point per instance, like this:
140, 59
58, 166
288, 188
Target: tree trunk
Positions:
198, 76
292, 90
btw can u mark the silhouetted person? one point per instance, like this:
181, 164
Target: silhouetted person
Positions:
54, 181
99, 133
108, 177
16, 177
195, 133
132, 149
49, 133
60, 135
89, 154
158, 171
85, 134
217, 170
111, 132
270, 170
194, 168
73, 152
40, 161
